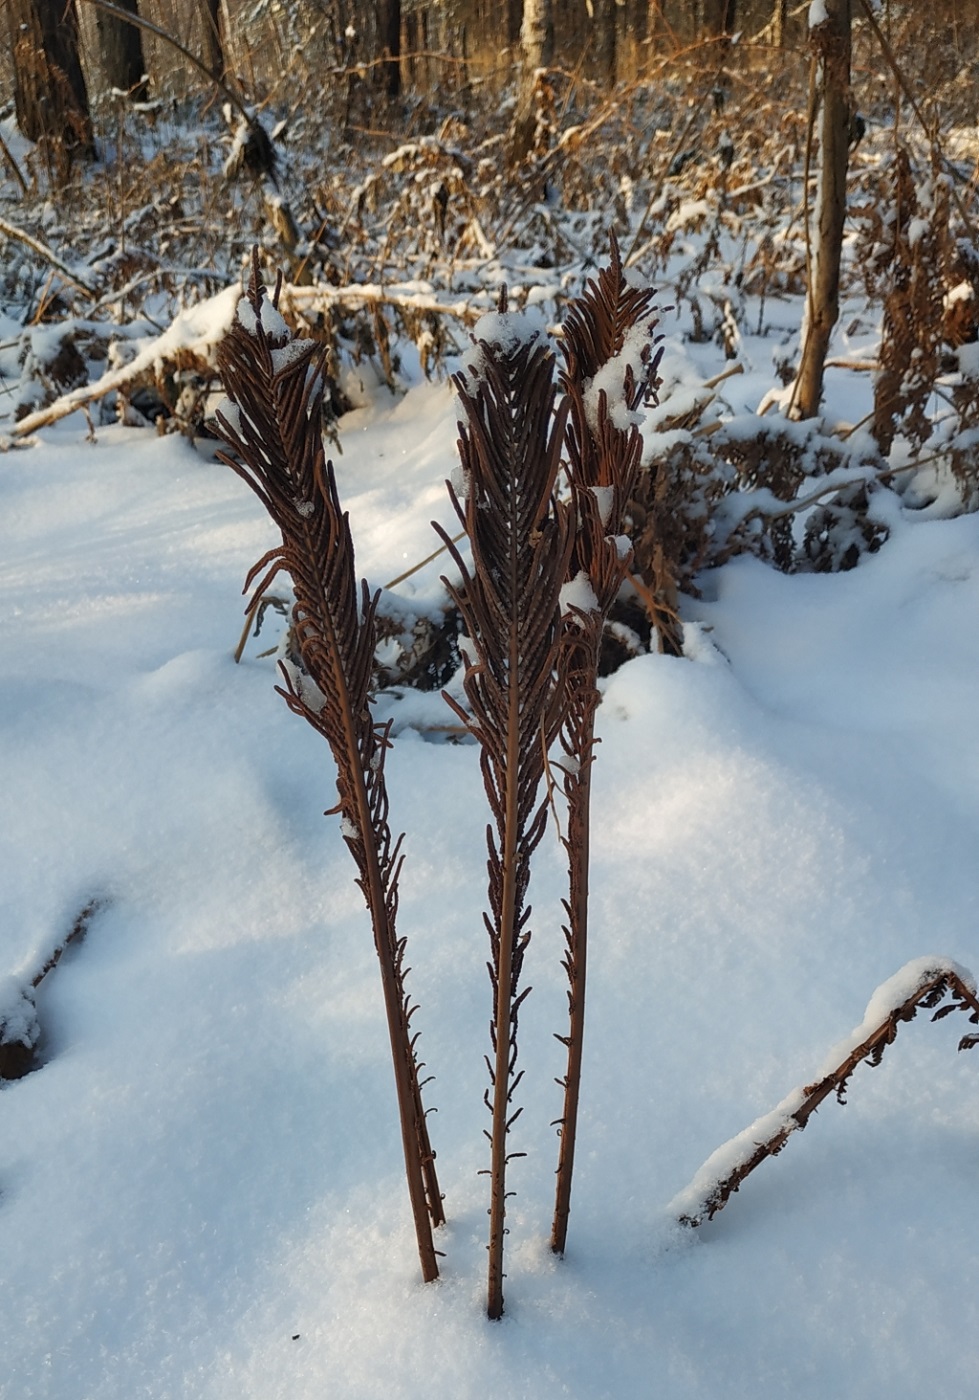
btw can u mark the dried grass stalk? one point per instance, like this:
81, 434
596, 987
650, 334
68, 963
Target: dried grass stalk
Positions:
273, 425
510, 444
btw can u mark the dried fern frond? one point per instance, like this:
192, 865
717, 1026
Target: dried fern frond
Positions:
920, 985
610, 372
272, 423
510, 444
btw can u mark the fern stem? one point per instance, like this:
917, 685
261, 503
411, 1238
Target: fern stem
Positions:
578, 845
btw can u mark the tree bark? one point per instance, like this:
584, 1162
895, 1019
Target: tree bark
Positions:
605, 25
212, 21
121, 46
537, 48
720, 17
387, 74
779, 16
831, 53
50, 96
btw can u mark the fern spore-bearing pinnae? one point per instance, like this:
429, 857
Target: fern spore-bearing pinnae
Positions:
272, 422
610, 371
509, 598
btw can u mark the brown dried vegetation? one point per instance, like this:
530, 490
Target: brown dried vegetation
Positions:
273, 427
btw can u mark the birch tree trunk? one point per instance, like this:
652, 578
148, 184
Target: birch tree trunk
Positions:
830, 41
537, 50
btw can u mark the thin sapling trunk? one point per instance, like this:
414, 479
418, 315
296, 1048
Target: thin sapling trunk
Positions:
272, 422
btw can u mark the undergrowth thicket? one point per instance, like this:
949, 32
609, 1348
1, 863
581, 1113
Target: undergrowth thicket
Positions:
396, 225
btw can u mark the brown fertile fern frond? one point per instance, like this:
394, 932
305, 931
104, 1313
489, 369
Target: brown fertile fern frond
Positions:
273, 425
609, 348
610, 372
510, 443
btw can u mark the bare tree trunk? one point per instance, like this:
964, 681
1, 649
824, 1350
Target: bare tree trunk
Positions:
537, 45
50, 96
779, 16
830, 42
121, 47
720, 17
605, 25
212, 22
387, 74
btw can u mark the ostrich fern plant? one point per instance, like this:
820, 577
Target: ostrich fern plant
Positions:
272, 424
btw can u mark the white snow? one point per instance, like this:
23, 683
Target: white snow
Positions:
506, 331
18, 1014
285, 355
578, 596
274, 325
610, 381
605, 498
200, 1190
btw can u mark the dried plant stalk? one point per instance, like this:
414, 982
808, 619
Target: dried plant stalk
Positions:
510, 443
272, 424
610, 371
922, 984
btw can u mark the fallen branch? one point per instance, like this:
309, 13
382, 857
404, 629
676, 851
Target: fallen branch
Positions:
404, 297
20, 235
924, 983
194, 334
197, 331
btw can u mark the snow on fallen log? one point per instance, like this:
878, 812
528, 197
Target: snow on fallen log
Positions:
925, 982
195, 333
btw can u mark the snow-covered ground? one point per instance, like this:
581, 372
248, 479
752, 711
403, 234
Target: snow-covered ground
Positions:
201, 1191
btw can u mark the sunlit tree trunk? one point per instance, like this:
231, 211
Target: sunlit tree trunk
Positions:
537, 51
830, 42
121, 47
50, 95
779, 16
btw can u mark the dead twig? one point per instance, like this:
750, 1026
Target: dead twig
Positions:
49, 255
923, 984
